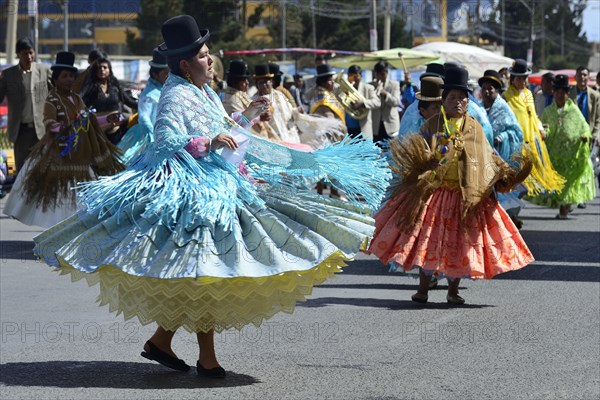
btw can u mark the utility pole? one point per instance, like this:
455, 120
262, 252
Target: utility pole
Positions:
245, 17
11, 30
66, 19
532, 12
543, 50
314, 24
387, 24
503, 27
477, 23
283, 27
32, 23
531, 35
373, 31
562, 31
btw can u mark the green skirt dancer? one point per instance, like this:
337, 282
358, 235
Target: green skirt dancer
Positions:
570, 155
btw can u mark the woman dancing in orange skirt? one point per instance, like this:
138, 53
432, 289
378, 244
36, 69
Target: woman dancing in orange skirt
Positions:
444, 217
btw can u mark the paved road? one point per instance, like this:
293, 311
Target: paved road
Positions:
530, 334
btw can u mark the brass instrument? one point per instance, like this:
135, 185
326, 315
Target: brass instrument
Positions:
347, 95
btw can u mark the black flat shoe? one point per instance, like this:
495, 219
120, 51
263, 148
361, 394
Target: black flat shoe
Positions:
218, 372
155, 354
419, 298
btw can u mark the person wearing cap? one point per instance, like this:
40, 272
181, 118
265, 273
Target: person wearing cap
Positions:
185, 238
365, 125
520, 99
140, 135
386, 120
508, 136
288, 84
73, 150
26, 86
236, 99
279, 106
544, 96
443, 217
568, 139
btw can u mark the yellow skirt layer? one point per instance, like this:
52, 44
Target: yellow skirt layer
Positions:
205, 303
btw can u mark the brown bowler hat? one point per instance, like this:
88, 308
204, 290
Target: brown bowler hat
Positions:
431, 89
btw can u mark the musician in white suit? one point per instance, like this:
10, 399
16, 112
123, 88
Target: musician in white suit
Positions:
371, 101
386, 121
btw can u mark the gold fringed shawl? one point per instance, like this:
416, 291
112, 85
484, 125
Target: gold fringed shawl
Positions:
479, 168
62, 159
543, 175
328, 100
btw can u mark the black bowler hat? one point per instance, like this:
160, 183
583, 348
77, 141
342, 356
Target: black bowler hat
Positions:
433, 69
324, 70
561, 82
158, 60
492, 76
64, 60
456, 78
519, 68
274, 69
431, 89
238, 69
261, 71
181, 35
451, 64
354, 69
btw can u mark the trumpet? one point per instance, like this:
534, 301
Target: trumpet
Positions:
347, 95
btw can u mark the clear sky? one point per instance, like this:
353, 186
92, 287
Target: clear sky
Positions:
591, 20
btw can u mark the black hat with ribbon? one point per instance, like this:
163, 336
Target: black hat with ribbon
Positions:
158, 60
275, 69
519, 68
261, 71
238, 69
492, 76
182, 35
64, 60
456, 78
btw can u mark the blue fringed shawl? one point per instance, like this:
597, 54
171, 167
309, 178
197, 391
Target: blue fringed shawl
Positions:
180, 189
506, 127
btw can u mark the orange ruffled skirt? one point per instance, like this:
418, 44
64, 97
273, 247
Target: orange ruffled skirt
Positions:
489, 245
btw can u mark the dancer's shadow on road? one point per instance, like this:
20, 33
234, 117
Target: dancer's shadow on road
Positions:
390, 304
111, 374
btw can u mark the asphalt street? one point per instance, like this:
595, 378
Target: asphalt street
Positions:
528, 334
